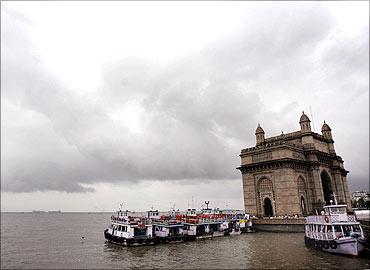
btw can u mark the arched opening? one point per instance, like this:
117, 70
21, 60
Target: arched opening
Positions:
302, 195
267, 207
265, 190
303, 206
326, 187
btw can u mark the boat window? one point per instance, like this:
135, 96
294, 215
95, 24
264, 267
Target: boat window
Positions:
347, 230
336, 211
337, 228
356, 228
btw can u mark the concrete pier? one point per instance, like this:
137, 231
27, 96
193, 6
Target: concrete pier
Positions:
279, 225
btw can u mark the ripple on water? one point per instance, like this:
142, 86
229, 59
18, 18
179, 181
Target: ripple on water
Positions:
54, 241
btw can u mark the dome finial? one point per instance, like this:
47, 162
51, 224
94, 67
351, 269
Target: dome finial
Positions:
325, 127
259, 129
304, 118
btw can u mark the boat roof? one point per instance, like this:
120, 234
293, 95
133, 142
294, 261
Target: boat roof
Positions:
335, 205
343, 223
203, 223
169, 225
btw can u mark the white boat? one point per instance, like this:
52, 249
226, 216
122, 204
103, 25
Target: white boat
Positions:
128, 230
168, 229
168, 232
334, 231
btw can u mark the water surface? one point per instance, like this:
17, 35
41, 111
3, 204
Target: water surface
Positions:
43, 240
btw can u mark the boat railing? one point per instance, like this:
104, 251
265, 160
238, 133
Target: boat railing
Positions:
321, 235
316, 219
330, 219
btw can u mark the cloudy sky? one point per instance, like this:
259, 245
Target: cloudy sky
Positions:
150, 103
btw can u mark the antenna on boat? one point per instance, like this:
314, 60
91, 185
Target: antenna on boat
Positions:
206, 202
335, 198
192, 201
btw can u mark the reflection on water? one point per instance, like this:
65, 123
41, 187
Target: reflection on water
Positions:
54, 241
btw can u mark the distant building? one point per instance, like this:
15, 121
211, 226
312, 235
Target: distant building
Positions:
293, 173
365, 195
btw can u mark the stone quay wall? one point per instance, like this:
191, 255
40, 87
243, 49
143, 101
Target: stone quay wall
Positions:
279, 225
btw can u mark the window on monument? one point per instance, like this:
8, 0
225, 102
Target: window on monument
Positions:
265, 185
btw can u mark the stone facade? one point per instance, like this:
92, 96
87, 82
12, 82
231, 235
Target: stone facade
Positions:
294, 173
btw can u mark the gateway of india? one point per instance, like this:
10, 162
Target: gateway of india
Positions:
294, 173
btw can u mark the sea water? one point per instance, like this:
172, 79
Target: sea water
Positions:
52, 240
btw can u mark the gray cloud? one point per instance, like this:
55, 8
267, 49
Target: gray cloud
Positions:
198, 111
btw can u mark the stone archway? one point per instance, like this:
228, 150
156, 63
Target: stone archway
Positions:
267, 207
265, 190
326, 187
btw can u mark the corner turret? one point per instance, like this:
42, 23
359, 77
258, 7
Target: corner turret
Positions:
326, 132
304, 121
260, 135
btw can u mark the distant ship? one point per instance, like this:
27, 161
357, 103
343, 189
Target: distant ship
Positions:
54, 211
38, 211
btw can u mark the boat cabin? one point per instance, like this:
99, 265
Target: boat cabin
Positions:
153, 214
337, 212
165, 230
191, 212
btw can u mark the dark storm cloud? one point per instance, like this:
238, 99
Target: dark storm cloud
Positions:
197, 112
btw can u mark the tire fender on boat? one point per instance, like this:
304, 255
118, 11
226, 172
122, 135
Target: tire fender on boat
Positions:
325, 244
333, 244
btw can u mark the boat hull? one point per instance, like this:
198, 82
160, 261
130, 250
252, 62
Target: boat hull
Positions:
350, 246
235, 232
175, 238
130, 241
247, 230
